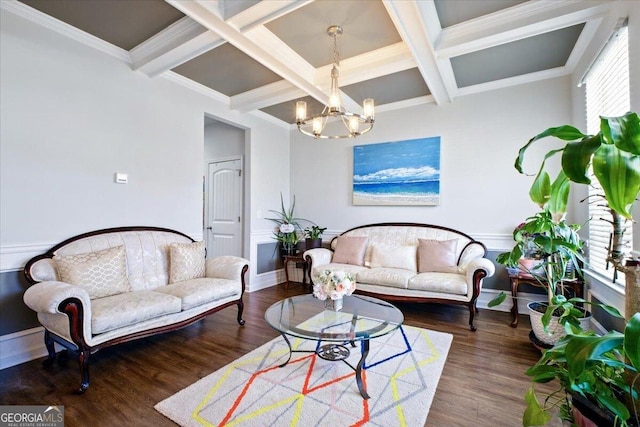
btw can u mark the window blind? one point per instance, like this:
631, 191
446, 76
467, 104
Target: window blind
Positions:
607, 94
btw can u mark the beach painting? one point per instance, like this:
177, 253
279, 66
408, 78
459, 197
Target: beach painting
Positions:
397, 173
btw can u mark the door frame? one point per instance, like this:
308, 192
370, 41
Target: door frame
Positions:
205, 208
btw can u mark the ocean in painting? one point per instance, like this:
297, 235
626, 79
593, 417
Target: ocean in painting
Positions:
397, 173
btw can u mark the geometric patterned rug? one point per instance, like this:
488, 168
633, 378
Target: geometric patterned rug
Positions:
401, 375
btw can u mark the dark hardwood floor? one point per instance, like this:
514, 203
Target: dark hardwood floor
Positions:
483, 382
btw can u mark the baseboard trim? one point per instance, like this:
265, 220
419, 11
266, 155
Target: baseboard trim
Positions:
20, 347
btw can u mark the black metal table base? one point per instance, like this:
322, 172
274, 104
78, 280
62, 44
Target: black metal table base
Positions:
336, 352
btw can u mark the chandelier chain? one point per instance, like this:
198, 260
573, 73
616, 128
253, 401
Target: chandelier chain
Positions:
336, 54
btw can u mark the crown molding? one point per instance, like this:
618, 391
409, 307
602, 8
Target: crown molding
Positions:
65, 29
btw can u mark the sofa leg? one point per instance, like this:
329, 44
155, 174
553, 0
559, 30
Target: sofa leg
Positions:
83, 361
472, 312
51, 349
240, 310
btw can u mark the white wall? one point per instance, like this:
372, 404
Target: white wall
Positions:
222, 140
481, 192
72, 116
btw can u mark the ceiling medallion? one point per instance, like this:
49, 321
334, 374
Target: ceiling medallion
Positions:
355, 124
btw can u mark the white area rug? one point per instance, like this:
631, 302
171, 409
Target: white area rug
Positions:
401, 376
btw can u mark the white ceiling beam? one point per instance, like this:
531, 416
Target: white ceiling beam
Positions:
186, 39
418, 24
256, 50
377, 63
514, 81
515, 23
176, 44
271, 94
380, 62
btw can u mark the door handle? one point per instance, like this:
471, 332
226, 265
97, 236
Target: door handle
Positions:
209, 228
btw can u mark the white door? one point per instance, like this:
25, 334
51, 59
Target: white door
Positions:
223, 225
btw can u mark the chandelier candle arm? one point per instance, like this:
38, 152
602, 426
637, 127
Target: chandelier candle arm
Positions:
355, 124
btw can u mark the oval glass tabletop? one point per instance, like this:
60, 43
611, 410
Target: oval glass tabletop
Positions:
360, 318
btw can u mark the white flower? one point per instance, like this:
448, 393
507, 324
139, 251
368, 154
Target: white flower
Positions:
333, 284
287, 228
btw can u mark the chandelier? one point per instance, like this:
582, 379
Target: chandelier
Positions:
355, 124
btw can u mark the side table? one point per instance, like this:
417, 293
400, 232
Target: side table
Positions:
521, 278
299, 263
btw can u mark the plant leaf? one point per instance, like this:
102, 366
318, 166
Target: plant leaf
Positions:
576, 158
497, 300
581, 348
559, 195
566, 133
619, 174
534, 415
632, 340
541, 188
623, 131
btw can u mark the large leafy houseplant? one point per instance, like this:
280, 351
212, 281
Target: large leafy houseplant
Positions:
613, 154
598, 369
559, 245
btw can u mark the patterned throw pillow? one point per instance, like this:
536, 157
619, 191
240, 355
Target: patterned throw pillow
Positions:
101, 273
186, 261
386, 256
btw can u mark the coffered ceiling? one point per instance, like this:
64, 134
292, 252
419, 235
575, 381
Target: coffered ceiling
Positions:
263, 56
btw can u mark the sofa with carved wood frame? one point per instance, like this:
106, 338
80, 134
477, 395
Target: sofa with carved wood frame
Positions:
115, 285
409, 262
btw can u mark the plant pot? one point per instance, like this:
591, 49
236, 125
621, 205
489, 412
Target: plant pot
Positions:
313, 243
588, 414
529, 265
292, 250
555, 331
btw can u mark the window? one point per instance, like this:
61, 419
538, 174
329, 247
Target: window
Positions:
607, 94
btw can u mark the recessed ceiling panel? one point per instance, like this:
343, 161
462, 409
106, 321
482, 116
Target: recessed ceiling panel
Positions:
366, 26
451, 12
233, 7
543, 52
125, 24
394, 87
286, 111
227, 70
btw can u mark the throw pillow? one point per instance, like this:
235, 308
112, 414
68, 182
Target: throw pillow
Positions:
350, 250
101, 273
186, 261
394, 257
437, 256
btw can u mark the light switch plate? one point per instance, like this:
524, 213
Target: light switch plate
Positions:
121, 178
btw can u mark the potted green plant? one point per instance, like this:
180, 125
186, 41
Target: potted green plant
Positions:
599, 379
288, 230
614, 155
558, 245
313, 236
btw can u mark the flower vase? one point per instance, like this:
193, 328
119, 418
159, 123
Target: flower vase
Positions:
333, 304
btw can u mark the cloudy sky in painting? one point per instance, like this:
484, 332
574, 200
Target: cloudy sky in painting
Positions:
402, 161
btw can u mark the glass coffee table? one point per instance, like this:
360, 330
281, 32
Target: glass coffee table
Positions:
361, 319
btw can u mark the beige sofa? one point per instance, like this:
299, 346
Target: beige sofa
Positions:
409, 262
115, 285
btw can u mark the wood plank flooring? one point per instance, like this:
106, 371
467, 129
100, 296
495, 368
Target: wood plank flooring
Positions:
483, 382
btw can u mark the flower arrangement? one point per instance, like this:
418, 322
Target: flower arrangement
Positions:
288, 231
333, 284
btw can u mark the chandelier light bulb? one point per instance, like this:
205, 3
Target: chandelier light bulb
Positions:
354, 124
301, 111
368, 109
